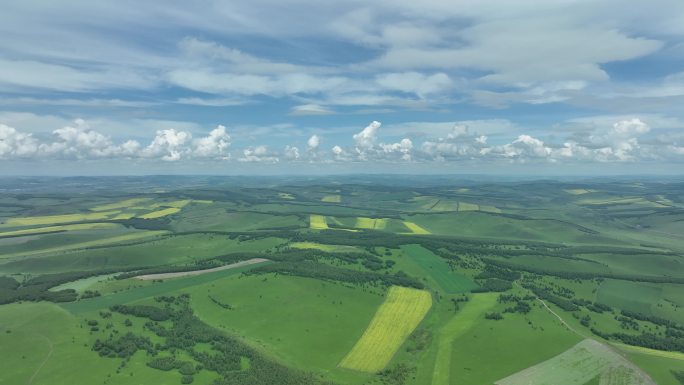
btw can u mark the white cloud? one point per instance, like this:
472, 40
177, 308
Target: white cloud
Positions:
460, 143
625, 140
313, 142
526, 147
169, 144
258, 154
291, 153
214, 145
416, 83
310, 109
366, 138
15, 144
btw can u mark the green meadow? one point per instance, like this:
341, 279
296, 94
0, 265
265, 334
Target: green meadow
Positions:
518, 283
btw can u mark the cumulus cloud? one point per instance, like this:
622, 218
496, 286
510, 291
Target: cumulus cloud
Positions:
460, 143
313, 142
291, 153
15, 144
258, 154
365, 147
169, 144
526, 147
214, 145
366, 138
624, 140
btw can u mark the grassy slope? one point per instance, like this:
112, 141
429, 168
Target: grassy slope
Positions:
449, 281
148, 291
495, 349
48, 346
471, 312
180, 249
291, 318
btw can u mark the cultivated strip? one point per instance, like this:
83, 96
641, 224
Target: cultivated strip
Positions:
403, 309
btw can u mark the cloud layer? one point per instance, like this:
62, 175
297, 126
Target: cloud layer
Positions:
624, 141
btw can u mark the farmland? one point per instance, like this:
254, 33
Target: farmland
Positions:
346, 281
580, 364
395, 319
318, 222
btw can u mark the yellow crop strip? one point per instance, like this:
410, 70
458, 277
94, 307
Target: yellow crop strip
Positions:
82, 245
332, 199
394, 321
56, 219
370, 223
415, 229
51, 229
651, 352
160, 213
120, 205
318, 222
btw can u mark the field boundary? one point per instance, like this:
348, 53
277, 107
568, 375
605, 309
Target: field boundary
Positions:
460, 323
191, 273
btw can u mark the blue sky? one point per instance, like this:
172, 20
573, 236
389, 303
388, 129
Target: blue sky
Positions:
557, 87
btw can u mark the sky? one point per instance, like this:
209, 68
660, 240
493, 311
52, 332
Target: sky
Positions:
275, 87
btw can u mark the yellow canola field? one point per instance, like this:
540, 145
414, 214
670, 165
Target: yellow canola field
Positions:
50, 229
332, 199
318, 222
56, 219
415, 229
370, 223
397, 317
160, 213
120, 205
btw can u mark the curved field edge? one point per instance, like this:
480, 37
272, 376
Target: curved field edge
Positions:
461, 322
581, 364
395, 320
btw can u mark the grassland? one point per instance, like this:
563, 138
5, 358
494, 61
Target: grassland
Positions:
149, 291
445, 279
177, 249
40, 342
471, 313
57, 219
135, 236
330, 312
318, 222
290, 317
395, 319
52, 229
465, 206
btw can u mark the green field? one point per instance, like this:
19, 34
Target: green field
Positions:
472, 312
447, 280
289, 316
360, 281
